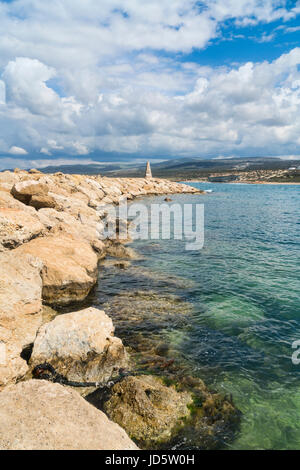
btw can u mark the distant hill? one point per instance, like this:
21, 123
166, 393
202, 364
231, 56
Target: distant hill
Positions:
179, 169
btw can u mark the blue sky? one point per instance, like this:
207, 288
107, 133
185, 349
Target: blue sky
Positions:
136, 79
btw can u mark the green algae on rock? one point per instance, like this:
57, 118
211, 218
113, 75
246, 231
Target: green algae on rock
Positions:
161, 413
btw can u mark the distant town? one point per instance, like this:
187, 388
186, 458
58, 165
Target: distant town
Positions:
231, 170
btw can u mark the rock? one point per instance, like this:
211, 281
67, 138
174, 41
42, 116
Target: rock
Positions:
5, 187
20, 311
86, 229
121, 264
148, 410
33, 171
70, 267
17, 227
81, 346
39, 201
39, 415
73, 205
118, 250
8, 201
24, 190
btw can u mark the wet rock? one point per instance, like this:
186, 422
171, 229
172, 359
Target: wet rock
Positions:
70, 267
18, 227
131, 308
20, 311
118, 250
148, 410
81, 346
176, 412
121, 264
39, 415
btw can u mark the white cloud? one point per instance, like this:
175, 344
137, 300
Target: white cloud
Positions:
2, 92
78, 77
17, 151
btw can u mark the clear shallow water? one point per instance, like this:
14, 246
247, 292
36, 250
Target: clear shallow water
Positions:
242, 292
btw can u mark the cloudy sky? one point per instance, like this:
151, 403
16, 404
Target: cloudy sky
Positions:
124, 79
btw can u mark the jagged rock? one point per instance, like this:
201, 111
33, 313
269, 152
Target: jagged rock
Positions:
17, 227
33, 171
20, 311
86, 229
74, 205
148, 410
81, 346
24, 190
39, 415
70, 267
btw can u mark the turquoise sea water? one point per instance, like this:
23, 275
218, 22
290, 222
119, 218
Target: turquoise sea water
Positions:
243, 289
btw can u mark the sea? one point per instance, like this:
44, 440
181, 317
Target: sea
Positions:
229, 312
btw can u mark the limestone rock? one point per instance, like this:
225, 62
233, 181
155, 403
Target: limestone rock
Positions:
81, 346
39, 201
39, 415
24, 190
18, 227
8, 201
86, 229
70, 267
148, 410
20, 311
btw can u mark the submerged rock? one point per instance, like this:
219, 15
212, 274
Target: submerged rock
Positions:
80, 346
232, 314
162, 413
118, 250
148, 410
39, 415
70, 267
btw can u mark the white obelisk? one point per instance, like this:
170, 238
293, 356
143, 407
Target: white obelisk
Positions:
148, 173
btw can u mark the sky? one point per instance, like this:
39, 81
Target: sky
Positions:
119, 80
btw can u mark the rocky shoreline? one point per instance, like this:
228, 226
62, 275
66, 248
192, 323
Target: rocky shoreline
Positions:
50, 248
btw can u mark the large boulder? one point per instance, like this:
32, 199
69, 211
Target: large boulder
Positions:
148, 410
70, 267
39, 415
81, 346
25, 190
177, 411
18, 227
20, 311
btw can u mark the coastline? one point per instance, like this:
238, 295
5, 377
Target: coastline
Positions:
242, 182
50, 250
